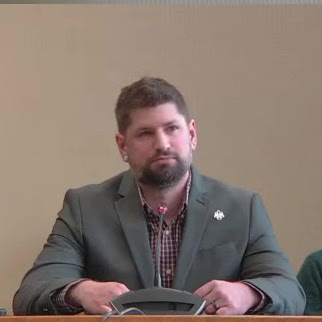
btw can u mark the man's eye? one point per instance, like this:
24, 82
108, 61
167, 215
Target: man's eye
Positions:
173, 128
145, 133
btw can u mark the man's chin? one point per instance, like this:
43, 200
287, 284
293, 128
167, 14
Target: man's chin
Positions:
163, 177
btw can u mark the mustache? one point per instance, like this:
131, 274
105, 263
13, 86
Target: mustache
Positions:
164, 154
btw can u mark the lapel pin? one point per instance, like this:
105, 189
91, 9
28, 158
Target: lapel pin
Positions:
219, 215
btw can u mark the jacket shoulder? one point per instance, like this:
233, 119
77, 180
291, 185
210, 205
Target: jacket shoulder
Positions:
315, 259
109, 187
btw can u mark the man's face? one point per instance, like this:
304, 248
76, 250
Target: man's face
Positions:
158, 145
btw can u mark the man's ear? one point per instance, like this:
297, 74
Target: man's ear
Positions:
193, 134
120, 141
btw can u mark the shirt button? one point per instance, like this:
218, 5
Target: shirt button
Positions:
167, 232
168, 271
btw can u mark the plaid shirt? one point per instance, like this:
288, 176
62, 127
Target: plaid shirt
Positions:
170, 238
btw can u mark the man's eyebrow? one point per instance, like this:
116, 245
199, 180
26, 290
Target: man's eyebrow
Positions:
144, 128
147, 127
151, 128
170, 123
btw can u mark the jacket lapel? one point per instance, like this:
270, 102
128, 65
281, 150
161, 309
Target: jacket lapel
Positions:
130, 212
196, 220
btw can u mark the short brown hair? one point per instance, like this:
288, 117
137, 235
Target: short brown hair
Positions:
146, 93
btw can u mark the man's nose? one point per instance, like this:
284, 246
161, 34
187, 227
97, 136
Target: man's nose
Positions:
162, 142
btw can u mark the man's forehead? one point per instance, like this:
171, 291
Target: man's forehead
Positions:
153, 116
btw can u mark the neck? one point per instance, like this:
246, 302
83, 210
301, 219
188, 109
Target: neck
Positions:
171, 196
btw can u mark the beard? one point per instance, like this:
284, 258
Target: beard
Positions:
166, 176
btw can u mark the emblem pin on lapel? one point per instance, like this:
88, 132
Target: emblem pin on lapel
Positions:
219, 215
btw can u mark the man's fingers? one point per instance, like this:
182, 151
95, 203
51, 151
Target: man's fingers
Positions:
105, 309
225, 310
204, 290
213, 305
120, 288
97, 309
210, 309
210, 298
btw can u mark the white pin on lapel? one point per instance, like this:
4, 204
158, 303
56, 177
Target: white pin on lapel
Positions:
219, 215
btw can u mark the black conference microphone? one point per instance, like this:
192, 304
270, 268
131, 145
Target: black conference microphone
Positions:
159, 300
162, 210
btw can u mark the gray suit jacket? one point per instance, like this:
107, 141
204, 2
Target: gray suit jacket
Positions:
101, 233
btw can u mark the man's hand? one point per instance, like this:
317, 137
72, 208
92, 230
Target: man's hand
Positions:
94, 297
228, 297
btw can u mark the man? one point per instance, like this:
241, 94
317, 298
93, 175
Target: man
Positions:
217, 240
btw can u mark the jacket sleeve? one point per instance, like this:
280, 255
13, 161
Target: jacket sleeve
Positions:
265, 266
60, 262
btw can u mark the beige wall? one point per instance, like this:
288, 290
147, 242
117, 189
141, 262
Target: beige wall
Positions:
251, 74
